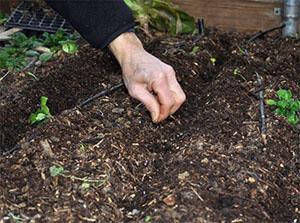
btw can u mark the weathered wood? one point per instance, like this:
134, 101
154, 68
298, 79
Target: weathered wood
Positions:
236, 15
7, 5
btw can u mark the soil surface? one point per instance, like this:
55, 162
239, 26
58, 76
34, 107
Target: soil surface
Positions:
206, 163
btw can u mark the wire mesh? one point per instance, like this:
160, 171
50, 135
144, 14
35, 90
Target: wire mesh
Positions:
27, 16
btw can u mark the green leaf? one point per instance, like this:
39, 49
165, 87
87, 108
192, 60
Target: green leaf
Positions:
148, 218
30, 74
40, 117
195, 50
282, 104
44, 57
32, 53
42, 114
271, 102
70, 47
293, 119
56, 170
162, 15
284, 94
213, 60
85, 185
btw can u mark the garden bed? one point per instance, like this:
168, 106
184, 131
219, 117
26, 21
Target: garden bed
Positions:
206, 163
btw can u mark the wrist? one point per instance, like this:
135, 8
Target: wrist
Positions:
125, 45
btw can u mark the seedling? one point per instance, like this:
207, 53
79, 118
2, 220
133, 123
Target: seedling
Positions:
286, 106
237, 73
213, 61
56, 171
30, 74
195, 50
148, 218
42, 114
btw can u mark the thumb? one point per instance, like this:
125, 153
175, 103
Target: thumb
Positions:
149, 100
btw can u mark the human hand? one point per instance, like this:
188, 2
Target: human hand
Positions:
148, 79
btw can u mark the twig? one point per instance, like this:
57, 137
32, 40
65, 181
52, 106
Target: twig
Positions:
260, 34
4, 75
262, 117
101, 94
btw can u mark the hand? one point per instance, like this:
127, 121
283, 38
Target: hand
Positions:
148, 79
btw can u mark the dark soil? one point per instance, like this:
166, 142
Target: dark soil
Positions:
207, 163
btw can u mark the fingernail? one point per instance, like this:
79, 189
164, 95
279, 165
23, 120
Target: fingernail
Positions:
154, 117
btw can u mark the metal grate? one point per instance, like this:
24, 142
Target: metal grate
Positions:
28, 16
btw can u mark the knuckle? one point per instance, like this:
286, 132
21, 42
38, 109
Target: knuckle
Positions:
182, 98
159, 75
169, 70
133, 92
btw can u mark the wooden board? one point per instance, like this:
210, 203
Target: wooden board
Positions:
7, 5
235, 15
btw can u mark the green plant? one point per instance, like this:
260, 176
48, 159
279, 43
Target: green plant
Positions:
61, 41
286, 106
213, 60
237, 73
86, 183
195, 50
162, 15
42, 114
30, 74
14, 55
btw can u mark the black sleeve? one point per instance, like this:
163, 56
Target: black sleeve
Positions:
98, 21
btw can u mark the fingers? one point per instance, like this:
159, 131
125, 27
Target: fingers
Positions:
141, 93
178, 94
165, 98
169, 94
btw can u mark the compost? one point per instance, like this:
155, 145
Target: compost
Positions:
206, 163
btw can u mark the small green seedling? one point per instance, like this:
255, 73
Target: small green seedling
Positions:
286, 106
195, 50
213, 61
30, 74
56, 171
148, 218
237, 73
42, 114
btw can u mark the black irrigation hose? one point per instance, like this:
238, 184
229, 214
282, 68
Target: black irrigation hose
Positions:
262, 117
102, 93
201, 27
260, 34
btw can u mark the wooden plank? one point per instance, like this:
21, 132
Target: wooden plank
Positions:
235, 15
7, 5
